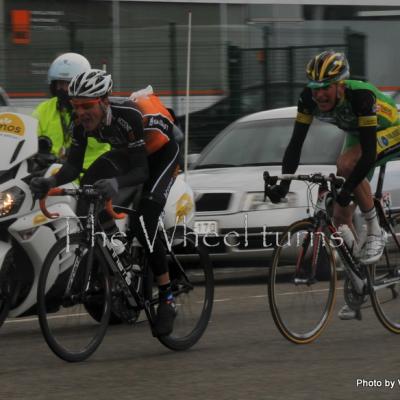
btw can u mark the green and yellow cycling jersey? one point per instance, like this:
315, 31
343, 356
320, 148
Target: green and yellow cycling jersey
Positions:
354, 110
367, 115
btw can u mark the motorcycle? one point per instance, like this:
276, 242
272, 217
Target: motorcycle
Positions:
26, 235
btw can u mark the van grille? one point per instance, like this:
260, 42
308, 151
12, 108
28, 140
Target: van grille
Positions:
213, 202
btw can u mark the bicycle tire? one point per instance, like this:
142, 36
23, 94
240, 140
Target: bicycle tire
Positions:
62, 338
194, 298
385, 299
6, 287
301, 303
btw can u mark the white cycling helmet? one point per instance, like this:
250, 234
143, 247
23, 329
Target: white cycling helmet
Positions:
66, 66
92, 83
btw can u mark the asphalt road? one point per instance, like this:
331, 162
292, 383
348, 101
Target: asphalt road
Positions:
241, 356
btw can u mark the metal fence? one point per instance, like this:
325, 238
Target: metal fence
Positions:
265, 78
235, 70
279, 72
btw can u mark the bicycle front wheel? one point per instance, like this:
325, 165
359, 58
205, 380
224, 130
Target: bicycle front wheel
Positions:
302, 283
384, 281
192, 282
68, 288
6, 287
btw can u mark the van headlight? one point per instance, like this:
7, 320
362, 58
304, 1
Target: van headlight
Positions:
10, 201
254, 201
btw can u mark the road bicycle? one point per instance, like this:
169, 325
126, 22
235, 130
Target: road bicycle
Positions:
303, 277
83, 285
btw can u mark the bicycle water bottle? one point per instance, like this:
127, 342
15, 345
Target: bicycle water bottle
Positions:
120, 249
118, 246
130, 267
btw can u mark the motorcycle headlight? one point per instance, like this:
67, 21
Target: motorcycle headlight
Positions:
10, 201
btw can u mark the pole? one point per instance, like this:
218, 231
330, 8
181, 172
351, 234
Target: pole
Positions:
116, 38
187, 95
173, 64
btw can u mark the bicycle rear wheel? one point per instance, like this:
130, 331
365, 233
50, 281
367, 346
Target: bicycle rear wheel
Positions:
302, 283
384, 281
192, 282
64, 297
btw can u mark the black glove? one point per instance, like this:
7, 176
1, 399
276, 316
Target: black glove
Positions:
344, 198
277, 192
108, 188
40, 186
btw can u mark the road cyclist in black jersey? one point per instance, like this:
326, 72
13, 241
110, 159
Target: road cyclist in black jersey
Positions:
127, 164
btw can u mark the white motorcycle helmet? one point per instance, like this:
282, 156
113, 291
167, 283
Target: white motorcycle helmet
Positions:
66, 66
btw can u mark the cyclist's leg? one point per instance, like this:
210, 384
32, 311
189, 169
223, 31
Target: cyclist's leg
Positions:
163, 168
388, 147
375, 241
351, 153
345, 164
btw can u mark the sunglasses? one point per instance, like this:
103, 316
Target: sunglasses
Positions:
84, 104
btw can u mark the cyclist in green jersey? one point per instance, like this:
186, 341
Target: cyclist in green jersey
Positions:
371, 123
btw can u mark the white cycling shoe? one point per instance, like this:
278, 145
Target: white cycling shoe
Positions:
373, 248
346, 313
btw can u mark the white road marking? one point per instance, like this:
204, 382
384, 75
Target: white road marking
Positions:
22, 320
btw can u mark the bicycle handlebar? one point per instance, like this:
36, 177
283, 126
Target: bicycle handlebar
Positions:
88, 191
337, 181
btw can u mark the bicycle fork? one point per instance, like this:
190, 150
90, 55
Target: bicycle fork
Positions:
315, 240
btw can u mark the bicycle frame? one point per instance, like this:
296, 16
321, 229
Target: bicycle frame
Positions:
351, 264
98, 239
135, 295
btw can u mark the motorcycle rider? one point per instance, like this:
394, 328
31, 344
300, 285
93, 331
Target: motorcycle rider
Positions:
137, 156
55, 114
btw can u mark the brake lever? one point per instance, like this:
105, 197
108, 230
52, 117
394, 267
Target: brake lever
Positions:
33, 202
35, 196
267, 178
266, 187
268, 181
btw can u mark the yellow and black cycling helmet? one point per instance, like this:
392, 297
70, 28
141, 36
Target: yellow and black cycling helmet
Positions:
327, 68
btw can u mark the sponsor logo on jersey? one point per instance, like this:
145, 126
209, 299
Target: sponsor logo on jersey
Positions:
388, 138
385, 110
383, 141
124, 124
158, 122
370, 120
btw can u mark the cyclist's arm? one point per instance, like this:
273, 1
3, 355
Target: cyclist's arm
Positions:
136, 148
364, 106
292, 154
139, 171
305, 107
